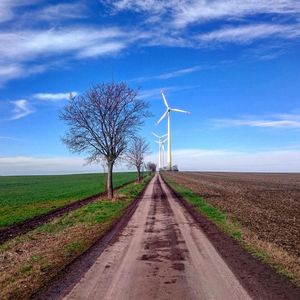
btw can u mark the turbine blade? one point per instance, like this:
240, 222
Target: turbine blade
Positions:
155, 135
164, 135
180, 110
165, 100
162, 117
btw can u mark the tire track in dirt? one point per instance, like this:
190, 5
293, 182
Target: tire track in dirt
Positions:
161, 254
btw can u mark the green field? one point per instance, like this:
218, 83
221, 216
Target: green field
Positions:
23, 197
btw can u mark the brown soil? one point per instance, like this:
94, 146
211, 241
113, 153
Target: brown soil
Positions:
266, 204
162, 253
258, 278
23, 227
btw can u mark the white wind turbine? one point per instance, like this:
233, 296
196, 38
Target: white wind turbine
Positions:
163, 152
161, 149
167, 113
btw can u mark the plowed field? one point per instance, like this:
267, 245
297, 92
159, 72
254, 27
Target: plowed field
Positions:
266, 204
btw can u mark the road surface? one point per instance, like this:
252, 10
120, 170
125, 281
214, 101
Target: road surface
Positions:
161, 254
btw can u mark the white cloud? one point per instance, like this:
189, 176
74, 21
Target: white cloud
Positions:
186, 159
60, 11
276, 121
180, 13
17, 70
155, 93
9, 11
176, 16
9, 138
27, 165
18, 48
235, 161
7, 8
151, 93
247, 33
200, 11
163, 23
173, 74
21, 109
141, 5
53, 97
29, 44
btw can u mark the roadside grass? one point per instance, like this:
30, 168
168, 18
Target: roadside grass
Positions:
208, 210
24, 197
279, 259
29, 261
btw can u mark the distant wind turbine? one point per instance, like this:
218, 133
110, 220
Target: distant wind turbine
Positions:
161, 149
167, 113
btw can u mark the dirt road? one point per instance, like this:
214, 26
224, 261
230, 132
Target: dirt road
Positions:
161, 254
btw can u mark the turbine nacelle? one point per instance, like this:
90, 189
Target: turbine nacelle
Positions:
159, 137
169, 109
168, 113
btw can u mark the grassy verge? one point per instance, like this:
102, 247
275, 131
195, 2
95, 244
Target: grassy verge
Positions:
29, 261
24, 197
277, 258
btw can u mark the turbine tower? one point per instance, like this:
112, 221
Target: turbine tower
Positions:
168, 113
161, 149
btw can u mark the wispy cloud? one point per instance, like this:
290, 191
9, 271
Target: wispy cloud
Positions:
18, 48
54, 97
169, 75
59, 11
14, 70
151, 93
276, 121
155, 93
9, 138
11, 9
197, 159
248, 33
29, 165
21, 109
235, 18
8, 7
189, 12
81, 42
187, 159
164, 23
181, 13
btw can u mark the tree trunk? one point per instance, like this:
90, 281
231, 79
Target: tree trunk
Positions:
139, 174
110, 192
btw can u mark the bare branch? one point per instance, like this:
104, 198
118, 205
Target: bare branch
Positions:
102, 121
135, 155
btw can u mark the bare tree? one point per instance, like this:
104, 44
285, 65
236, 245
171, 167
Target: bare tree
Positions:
102, 121
151, 167
136, 153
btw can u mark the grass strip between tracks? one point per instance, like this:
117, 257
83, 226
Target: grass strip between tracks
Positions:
30, 261
236, 231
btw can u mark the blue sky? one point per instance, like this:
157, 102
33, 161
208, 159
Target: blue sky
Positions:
234, 64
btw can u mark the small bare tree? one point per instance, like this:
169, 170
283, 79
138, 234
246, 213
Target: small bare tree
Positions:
151, 167
136, 153
102, 121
